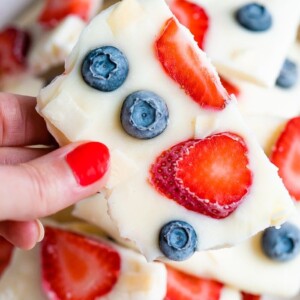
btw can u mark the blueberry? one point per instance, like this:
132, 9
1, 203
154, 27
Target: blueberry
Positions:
254, 17
105, 68
144, 115
281, 244
177, 240
288, 75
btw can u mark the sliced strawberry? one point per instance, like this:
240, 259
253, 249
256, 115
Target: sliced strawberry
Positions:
182, 286
14, 47
209, 176
247, 296
230, 87
286, 156
77, 267
192, 16
56, 10
6, 249
187, 65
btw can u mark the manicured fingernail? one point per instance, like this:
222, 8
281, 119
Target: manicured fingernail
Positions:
89, 162
41, 230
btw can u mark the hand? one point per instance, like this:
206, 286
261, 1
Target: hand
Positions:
37, 182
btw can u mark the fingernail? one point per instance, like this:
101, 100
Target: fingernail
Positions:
41, 231
89, 162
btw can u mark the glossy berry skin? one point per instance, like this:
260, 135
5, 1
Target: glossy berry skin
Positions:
105, 68
144, 115
177, 240
281, 244
254, 17
288, 75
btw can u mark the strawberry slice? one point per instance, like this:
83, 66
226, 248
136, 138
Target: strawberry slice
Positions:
208, 176
77, 267
6, 249
230, 87
286, 156
192, 16
56, 10
182, 286
184, 62
14, 47
247, 296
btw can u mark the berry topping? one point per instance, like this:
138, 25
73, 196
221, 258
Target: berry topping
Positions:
247, 296
193, 17
209, 176
144, 115
56, 10
230, 87
281, 244
14, 47
254, 17
182, 286
286, 156
76, 267
288, 75
6, 249
177, 240
105, 68
187, 65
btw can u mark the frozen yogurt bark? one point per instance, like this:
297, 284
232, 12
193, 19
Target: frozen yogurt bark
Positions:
69, 264
245, 39
261, 272
183, 162
282, 100
56, 30
269, 266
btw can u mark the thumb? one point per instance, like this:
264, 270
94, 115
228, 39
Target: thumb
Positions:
52, 182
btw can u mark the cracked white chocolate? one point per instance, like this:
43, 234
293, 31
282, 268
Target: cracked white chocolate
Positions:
253, 56
74, 111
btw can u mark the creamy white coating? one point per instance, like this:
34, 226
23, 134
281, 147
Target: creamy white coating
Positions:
24, 85
228, 293
135, 206
277, 101
246, 267
244, 54
138, 279
50, 48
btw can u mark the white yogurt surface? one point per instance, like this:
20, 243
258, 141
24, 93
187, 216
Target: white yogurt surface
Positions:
79, 112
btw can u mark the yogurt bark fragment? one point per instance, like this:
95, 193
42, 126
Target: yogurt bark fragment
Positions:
137, 82
245, 39
107, 271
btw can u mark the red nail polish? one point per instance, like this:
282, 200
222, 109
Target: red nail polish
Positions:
89, 162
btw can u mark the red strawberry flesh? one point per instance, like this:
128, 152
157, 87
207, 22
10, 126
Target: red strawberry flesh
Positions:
286, 156
209, 176
56, 10
247, 296
192, 16
14, 47
77, 267
182, 61
6, 249
230, 87
182, 286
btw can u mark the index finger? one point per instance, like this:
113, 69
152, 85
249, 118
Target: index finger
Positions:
20, 124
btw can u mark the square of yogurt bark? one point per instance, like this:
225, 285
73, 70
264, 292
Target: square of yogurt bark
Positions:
278, 101
159, 106
258, 54
135, 278
262, 273
247, 267
52, 44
